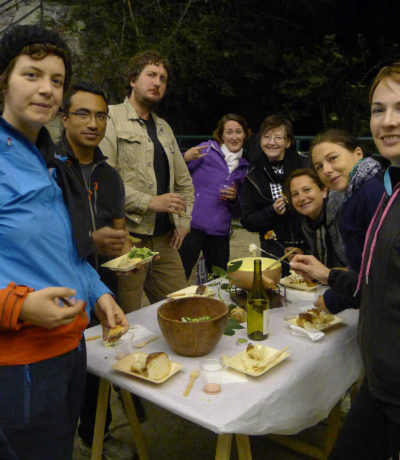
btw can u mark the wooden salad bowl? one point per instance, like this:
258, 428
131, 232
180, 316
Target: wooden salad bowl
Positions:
193, 338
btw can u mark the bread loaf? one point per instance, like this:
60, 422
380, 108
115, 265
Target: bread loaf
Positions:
158, 365
239, 314
154, 366
139, 363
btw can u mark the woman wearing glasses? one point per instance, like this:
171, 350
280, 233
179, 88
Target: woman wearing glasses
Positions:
264, 207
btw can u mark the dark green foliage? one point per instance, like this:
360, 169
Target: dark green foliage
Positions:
309, 59
231, 326
233, 266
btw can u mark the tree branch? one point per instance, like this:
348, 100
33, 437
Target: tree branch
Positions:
179, 23
134, 23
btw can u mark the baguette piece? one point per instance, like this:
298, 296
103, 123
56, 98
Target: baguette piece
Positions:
139, 363
158, 365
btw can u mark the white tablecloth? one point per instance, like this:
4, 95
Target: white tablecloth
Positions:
294, 395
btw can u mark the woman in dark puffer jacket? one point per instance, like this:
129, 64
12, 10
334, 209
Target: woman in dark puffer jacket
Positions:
264, 208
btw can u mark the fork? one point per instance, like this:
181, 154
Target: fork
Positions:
272, 255
193, 376
146, 341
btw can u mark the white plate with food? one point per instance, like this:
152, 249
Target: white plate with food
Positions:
315, 320
153, 367
256, 360
127, 262
192, 291
296, 281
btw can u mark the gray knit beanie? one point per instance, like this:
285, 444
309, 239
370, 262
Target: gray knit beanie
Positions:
16, 38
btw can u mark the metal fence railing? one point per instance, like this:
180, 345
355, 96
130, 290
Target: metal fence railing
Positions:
8, 5
302, 142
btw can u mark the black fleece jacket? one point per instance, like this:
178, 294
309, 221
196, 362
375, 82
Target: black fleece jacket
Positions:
379, 322
93, 205
257, 202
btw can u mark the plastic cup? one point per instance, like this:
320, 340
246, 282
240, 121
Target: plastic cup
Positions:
222, 191
211, 370
290, 310
319, 290
124, 346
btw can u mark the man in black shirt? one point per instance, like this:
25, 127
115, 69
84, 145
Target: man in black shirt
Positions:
159, 190
97, 194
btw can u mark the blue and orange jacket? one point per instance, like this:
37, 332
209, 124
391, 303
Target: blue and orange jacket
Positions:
37, 250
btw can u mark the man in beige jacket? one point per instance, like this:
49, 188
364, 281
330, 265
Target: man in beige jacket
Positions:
158, 186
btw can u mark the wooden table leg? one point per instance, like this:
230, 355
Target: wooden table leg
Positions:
224, 443
333, 424
297, 445
134, 423
332, 429
243, 446
101, 412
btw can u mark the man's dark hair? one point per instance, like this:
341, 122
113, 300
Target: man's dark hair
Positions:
140, 60
86, 87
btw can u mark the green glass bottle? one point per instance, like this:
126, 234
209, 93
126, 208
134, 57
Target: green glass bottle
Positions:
257, 307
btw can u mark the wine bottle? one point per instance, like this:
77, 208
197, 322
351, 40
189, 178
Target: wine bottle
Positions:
257, 307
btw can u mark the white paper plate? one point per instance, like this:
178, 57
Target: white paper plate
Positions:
323, 327
287, 282
235, 362
124, 365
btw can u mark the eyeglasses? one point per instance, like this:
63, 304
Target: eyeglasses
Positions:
87, 116
277, 139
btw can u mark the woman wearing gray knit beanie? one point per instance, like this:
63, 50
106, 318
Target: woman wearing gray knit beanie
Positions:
42, 354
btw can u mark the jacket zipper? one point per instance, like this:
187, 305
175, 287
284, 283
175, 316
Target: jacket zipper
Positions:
92, 212
55, 188
268, 174
254, 183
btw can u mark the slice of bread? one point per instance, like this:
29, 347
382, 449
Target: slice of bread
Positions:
158, 365
255, 358
139, 363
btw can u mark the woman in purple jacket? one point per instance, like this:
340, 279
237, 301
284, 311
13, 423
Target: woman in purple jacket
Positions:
218, 170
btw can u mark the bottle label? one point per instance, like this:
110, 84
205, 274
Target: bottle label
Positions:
265, 322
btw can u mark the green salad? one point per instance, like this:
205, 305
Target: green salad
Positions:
187, 319
139, 253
